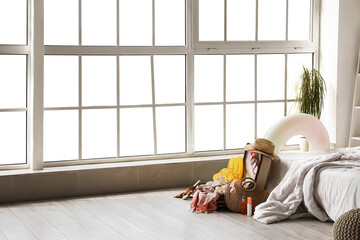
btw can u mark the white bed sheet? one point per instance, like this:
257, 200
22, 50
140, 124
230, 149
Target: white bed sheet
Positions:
337, 190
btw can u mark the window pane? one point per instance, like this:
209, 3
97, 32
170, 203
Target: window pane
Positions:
169, 22
98, 80
58, 29
270, 76
136, 131
291, 108
209, 128
98, 22
13, 14
99, 133
294, 69
299, 19
241, 20
135, 22
272, 20
135, 80
61, 135
12, 81
169, 74
209, 78
240, 125
240, 77
12, 137
61, 81
170, 129
211, 20
268, 115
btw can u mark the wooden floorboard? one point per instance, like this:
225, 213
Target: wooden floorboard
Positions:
143, 215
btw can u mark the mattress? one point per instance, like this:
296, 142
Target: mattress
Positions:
337, 189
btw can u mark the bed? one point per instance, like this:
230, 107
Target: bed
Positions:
324, 184
337, 190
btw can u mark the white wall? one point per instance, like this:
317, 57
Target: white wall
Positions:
328, 59
339, 46
349, 43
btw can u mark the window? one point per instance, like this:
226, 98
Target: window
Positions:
13, 82
121, 91
13, 22
172, 78
248, 57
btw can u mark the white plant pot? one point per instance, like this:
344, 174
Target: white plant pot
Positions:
304, 144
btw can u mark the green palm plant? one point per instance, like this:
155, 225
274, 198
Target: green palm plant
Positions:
311, 90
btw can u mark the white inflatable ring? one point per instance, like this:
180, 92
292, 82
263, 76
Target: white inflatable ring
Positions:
299, 124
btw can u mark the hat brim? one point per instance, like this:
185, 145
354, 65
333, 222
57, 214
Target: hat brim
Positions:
250, 148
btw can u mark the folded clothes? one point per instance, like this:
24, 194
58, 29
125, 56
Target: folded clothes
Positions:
204, 200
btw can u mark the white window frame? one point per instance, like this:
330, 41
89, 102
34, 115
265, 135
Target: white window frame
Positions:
10, 49
20, 50
256, 47
35, 50
118, 51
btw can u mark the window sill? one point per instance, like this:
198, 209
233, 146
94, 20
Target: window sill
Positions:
92, 166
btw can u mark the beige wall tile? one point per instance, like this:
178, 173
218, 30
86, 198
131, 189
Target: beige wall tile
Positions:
111, 180
38, 186
165, 176
204, 171
44, 186
5, 189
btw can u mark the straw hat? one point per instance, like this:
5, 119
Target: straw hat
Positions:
262, 146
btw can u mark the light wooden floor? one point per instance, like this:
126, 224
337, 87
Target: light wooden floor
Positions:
145, 215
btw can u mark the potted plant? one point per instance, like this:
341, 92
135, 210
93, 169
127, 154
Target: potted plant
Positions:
311, 91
